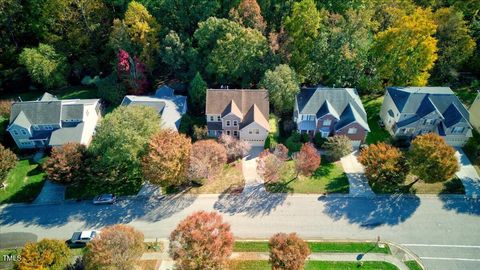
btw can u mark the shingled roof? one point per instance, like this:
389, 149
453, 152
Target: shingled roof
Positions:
218, 99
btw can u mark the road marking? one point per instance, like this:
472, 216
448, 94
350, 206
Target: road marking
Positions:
447, 246
450, 259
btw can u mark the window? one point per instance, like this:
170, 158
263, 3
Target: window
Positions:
24, 132
48, 127
257, 131
250, 131
235, 123
324, 134
235, 133
228, 132
429, 122
352, 131
15, 132
458, 130
327, 122
218, 118
311, 118
211, 118
228, 123
35, 127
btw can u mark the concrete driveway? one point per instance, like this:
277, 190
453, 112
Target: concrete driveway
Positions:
249, 168
468, 175
51, 193
356, 176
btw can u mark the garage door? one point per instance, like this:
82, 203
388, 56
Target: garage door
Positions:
256, 142
356, 144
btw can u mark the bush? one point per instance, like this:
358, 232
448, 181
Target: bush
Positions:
110, 90
65, 162
201, 241
318, 140
288, 252
305, 138
338, 146
293, 143
5, 107
8, 160
46, 254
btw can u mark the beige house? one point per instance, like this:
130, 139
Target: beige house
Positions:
475, 113
241, 113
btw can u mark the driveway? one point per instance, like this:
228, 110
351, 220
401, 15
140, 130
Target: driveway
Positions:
51, 193
356, 176
249, 168
468, 175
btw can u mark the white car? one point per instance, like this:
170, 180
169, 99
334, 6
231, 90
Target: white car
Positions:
83, 237
105, 199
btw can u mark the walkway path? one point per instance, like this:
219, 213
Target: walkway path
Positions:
356, 176
468, 175
249, 167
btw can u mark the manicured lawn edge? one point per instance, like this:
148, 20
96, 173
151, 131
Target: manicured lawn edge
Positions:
24, 182
315, 265
413, 265
316, 247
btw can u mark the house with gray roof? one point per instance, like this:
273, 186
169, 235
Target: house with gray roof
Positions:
48, 121
169, 106
411, 111
331, 111
241, 113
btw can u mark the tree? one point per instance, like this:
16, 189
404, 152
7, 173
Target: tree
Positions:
198, 92
201, 241
132, 72
231, 53
236, 148
293, 143
46, 254
206, 159
307, 160
302, 27
287, 251
283, 86
432, 159
338, 146
455, 45
167, 158
119, 144
281, 151
269, 167
45, 65
248, 13
110, 89
173, 53
384, 164
116, 247
65, 163
5, 107
8, 160
406, 52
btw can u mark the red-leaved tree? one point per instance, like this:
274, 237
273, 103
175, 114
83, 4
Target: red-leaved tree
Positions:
201, 241
281, 151
206, 159
307, 160
132, 72
269, 167
288, 251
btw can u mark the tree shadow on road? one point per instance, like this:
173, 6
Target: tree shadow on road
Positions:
371, 212
126, 210
461, 204
253, 201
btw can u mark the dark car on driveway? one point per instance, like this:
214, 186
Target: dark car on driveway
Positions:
105, 199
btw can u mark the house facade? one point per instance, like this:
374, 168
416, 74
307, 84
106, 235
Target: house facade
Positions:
411, 111
331, 111
51, 122
475, 113
169, 106
241, 113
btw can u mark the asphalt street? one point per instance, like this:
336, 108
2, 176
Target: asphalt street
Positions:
443, 231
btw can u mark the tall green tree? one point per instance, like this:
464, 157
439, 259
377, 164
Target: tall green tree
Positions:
455, 45
282, 85
198, 92
45, 65
406, 52
302, 27
249, 14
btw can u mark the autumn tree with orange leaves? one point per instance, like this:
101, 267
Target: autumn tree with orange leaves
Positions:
201, 241
249, 14
167, 158
206, 159
383, 164
116, 247
288, 251
307, 160
269, 167
65, 163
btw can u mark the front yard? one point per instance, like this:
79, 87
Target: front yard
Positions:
453, 186
24, 182
372, 107
328, 178
314, 265
230, 180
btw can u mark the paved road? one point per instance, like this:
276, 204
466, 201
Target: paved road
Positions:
443, 231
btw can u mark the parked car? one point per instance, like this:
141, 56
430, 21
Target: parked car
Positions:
105, 199
83, 237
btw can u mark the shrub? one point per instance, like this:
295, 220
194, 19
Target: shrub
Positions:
305, 138
200, 132
201, 241
116, 247
65, 162
8, 160
288, 252
338, 146
293, 143
5, 107
318, 140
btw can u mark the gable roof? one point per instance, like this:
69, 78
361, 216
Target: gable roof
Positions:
218, 100
164, 91
72, 112
38, 112
343, 103
421, 101
232, 108
255, 115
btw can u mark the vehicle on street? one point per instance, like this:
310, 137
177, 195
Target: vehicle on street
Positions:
105, 199
82, 237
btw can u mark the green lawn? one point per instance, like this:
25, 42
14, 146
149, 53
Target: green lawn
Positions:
314, 265
453, 186
328, 178
323, 247
274, 134
413, 265
24, 182
372, 107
